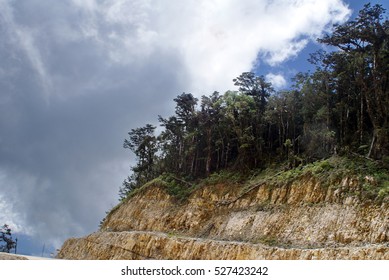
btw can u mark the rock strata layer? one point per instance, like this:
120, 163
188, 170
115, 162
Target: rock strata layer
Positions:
298, 220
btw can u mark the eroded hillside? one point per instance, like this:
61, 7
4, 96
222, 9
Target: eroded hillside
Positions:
300, 218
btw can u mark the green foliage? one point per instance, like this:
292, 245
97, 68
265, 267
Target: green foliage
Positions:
384, 191
178, 188
144, 145
224, 177
372, 176
364, 42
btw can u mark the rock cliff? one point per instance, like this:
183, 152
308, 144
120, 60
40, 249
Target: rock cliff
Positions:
300, 219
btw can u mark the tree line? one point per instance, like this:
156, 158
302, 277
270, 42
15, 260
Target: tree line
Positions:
341, 107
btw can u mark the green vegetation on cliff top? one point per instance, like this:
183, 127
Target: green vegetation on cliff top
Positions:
372, 176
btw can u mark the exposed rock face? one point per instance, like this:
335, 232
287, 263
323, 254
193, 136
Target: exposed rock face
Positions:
137, 245
299, 220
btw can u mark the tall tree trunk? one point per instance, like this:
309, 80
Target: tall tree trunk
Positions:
209, 152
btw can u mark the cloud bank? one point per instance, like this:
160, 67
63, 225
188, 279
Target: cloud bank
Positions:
76, 76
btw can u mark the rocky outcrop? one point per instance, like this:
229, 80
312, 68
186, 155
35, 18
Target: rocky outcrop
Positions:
298, 220
137, 245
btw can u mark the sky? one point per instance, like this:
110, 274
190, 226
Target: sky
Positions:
77, 75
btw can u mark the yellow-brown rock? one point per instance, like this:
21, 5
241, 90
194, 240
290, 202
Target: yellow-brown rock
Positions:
298, 220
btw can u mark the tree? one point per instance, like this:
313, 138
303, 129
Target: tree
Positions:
179, 140
186, 115
127, 187
171, 140
317, 136
257, 88
210, 125
240, 112
254, 86
284, 122
365, 42
185, 108
144, 145
6, 241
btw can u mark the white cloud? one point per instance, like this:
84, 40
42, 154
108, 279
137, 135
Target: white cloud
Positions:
7, 216
217, 39
277, 80
8, 209
285, 52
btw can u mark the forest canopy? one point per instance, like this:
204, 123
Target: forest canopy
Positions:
340, 108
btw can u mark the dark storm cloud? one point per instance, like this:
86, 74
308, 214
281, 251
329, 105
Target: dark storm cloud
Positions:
63, 119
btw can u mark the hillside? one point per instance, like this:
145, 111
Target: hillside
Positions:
324, 210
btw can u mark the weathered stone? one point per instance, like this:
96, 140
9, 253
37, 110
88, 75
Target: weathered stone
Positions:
300, 220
